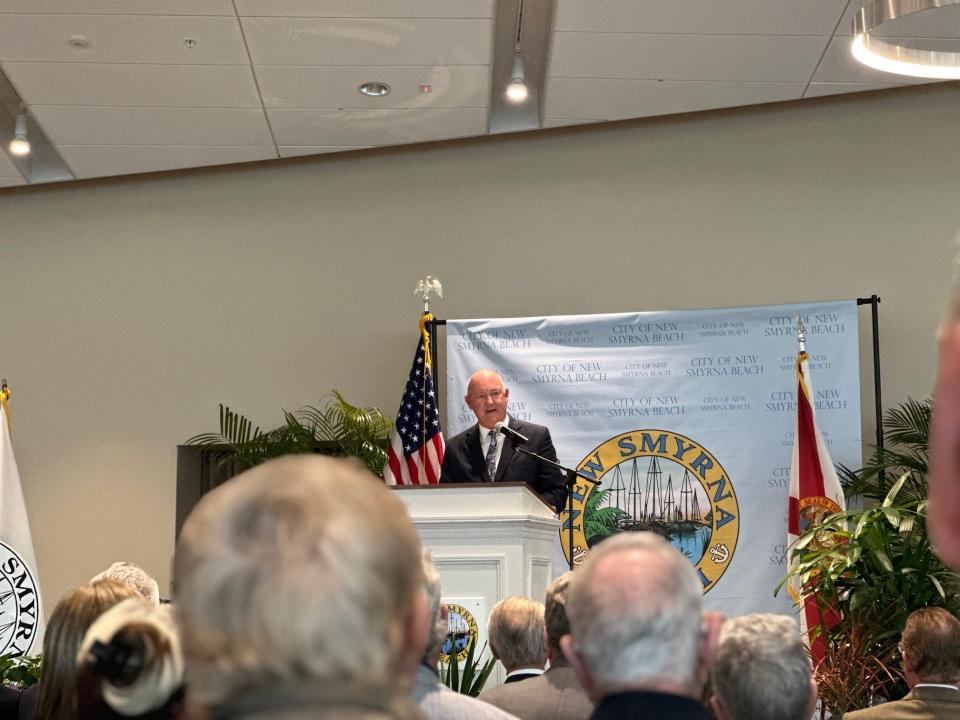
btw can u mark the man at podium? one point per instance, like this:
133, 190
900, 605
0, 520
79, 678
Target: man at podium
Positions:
486, 452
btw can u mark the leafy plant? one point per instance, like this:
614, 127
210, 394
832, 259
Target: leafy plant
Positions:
600, 521
21, 671
906, 432
336, 428
870, 569
474, 676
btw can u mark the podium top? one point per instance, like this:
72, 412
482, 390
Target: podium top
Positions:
502, 499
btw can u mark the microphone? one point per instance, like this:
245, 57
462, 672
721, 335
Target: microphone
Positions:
502, 428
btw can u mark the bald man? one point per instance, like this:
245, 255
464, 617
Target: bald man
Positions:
480, 454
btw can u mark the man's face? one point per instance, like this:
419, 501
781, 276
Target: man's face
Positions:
487, 397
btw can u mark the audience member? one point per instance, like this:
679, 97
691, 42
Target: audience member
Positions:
436, 700
639, 640
135, 576
516, 637
299, 589
930, 646
943, 512
55, 696
761, 671
555, 695
130, 664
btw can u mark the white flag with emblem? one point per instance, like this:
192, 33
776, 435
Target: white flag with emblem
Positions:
21, 618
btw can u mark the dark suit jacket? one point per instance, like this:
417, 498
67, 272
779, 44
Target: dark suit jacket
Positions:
921, 703
649, 706
463, 462
9, 703
555, 695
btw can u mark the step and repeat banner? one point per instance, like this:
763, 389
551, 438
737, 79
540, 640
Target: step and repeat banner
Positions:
686, 418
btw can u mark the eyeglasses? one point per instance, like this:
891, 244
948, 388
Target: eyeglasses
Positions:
492, 395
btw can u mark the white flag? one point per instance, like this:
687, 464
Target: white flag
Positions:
21, 617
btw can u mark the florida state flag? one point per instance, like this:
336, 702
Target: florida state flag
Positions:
815, 493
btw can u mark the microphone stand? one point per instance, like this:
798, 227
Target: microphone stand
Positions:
570, 476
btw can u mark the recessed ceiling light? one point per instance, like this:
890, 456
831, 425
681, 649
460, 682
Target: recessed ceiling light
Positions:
375, 89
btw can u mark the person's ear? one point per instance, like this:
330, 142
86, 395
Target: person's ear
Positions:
719, 711
709, 638
506, 393
548, 646
415, 632
580, 669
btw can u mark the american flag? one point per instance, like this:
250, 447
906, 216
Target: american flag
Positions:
416, 443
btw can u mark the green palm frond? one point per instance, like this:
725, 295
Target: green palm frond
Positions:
336, 428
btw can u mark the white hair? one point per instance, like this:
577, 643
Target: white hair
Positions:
761, 670
302, 570
515, 630
439, 625
133, 575
636, 609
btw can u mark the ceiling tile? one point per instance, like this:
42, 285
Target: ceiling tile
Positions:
71, 125
374, 127
7, 168
103, 160
839, 66
122, 39
566, 122
619, 99
302, 150
119, 7
351, 41
337, 87
943, 22
134, 85
686, 57
819, 89
745, 17
367, 8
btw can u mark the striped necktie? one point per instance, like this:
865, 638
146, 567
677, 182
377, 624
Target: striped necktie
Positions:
492, 456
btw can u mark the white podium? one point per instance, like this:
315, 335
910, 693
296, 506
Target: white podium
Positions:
488, 541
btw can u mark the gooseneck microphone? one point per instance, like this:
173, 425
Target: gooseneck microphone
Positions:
501, 427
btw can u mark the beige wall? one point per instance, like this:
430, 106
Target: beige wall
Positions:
131, 307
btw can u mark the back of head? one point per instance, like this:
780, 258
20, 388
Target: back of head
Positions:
66, 627
555, 614
303, 570
761, 670
135, 576
931, 645
515, 630
635, 608
432, 589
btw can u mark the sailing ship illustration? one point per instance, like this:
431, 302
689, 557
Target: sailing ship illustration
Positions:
652, 505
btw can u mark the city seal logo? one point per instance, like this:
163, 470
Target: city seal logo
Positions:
462, 634
19, 603
662, 482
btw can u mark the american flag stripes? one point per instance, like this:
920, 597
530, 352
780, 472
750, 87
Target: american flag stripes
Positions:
416, 443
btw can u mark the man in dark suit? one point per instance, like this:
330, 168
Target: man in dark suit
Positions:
930, 646
480, 454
